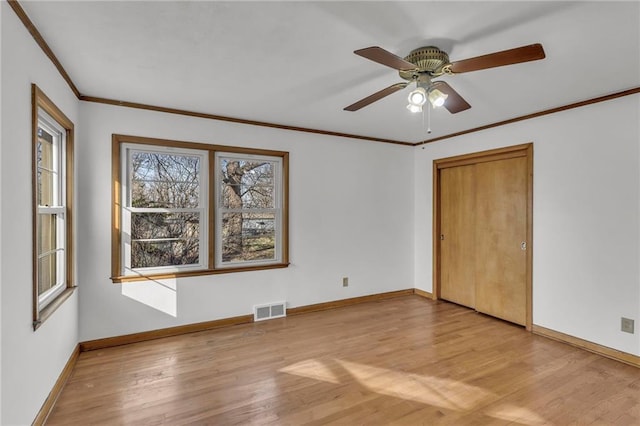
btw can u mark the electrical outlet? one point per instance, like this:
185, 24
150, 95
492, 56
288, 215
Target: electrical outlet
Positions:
345, 282
626, 325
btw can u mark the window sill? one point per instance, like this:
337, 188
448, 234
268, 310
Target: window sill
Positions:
48, 310
130, 278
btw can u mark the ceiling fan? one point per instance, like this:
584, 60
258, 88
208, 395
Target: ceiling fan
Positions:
425, 63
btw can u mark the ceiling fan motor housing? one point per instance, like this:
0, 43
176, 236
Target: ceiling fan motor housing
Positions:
428, 60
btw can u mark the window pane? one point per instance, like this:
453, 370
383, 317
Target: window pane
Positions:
46, 181
164, 225
146, 254
164, 180
175, 239
47, 272
47, 235
248, 236
45, 149
247, 184
46, 168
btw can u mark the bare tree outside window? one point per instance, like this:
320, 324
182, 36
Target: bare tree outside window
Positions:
165, 198
248, 210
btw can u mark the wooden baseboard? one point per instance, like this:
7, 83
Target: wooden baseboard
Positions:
164, 332
347, 302
423, 293
588, 346
50, 402
244, 319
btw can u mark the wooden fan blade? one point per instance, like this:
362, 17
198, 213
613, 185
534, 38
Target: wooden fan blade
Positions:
384, 57
454, 102
376, 96
532, 52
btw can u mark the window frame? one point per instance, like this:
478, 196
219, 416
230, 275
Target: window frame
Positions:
57, 208
53, 119
127, 209
119, 144
277, 208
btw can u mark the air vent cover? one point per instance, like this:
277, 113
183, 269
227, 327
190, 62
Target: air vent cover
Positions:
269, 311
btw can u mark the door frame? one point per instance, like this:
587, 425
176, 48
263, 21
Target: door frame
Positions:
523, 150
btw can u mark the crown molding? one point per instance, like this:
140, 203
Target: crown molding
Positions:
236, 120
536, 114
22, 15
15, 5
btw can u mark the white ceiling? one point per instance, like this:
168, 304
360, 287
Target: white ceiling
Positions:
292, 63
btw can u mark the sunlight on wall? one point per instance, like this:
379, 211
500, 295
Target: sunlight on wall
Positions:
159, 295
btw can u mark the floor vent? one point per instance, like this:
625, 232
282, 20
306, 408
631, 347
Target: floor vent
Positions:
272, 310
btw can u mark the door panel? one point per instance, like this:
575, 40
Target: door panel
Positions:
457, 227
501, 228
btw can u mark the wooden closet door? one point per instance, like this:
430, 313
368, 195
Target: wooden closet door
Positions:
501, 231
457, 246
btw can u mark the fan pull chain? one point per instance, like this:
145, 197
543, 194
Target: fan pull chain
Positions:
428, 119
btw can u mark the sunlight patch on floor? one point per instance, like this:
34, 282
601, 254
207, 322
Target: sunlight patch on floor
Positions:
313, 369
429, 390
435, 391
432, 390
513, 413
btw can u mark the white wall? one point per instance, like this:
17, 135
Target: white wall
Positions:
31, 361
351, 214
1, 13
586, 226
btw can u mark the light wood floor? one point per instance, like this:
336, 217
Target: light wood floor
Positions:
405, 361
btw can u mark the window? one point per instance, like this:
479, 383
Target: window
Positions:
249, 209
164, 209
183, 209
52, 199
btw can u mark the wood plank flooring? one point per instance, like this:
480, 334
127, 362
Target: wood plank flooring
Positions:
404, 361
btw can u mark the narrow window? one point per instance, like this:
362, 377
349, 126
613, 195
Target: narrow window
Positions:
52, 199
249, 209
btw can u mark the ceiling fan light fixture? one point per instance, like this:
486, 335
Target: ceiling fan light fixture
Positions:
414, 108
418, 96
437, 98
428, 62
